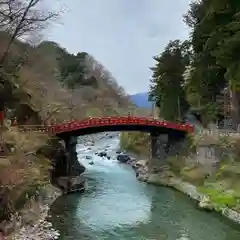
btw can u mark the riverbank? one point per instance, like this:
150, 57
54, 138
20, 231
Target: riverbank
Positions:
168, 179
191, 191
26, 190
117, 206
31, 222
212, 180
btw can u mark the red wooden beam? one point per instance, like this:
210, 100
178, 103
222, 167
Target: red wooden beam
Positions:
119, 120
1, 117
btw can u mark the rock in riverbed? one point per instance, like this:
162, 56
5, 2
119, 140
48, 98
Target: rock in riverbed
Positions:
123, 158
102, 154
205, 203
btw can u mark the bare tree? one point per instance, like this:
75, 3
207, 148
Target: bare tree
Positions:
106, 81
22, 17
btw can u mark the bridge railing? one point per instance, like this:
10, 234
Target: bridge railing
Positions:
96, 121
128, 112
34, 128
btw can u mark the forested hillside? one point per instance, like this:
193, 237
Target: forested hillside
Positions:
85, 76
62, 86
204, 69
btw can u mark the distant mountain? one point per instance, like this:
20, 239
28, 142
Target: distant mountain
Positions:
141, 100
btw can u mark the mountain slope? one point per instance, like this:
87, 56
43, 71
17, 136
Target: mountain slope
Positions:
89, 82
141, 100
44, 76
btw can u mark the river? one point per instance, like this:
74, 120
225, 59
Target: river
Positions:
116, 206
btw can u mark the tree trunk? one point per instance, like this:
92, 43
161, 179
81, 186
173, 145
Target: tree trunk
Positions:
235, 108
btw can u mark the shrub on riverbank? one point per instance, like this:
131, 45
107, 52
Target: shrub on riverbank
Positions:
220, 197
136, 142
223, 188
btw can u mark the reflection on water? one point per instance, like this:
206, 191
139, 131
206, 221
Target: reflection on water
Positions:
117, 207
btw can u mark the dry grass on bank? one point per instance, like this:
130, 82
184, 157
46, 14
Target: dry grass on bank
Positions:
22, 172
24, 141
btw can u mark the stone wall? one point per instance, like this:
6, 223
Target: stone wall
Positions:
165, 146
207, 156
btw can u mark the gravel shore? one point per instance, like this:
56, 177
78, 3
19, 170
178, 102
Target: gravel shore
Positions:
39, 228
42, 229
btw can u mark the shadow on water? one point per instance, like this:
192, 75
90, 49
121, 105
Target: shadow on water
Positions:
171, 217
64, 211
117, 207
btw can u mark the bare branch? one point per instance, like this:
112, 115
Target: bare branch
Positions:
21, 18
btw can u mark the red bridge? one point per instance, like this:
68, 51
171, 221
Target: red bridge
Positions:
167, 138
117, 123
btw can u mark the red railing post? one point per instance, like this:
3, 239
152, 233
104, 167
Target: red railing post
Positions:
1, 128
14, 123
1, 117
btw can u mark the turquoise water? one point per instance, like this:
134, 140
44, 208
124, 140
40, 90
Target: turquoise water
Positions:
117, 207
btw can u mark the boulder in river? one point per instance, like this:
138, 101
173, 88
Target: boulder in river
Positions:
91, 162
123, 158
88, 157
102, 154
118, 151
140, 164
108, 157
205, 203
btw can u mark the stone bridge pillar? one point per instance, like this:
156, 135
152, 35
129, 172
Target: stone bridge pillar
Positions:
73, 166
163, 146
159, 146
70, 144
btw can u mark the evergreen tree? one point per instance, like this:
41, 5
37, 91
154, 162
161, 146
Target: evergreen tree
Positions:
167, 80
72, 68
207, 78
227, 38
215, 41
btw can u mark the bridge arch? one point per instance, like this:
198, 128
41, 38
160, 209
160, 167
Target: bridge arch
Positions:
164, 136
118, 123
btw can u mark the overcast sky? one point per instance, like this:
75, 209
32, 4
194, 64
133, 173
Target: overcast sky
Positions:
123, 35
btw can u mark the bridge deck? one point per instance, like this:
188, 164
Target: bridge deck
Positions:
119, 123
